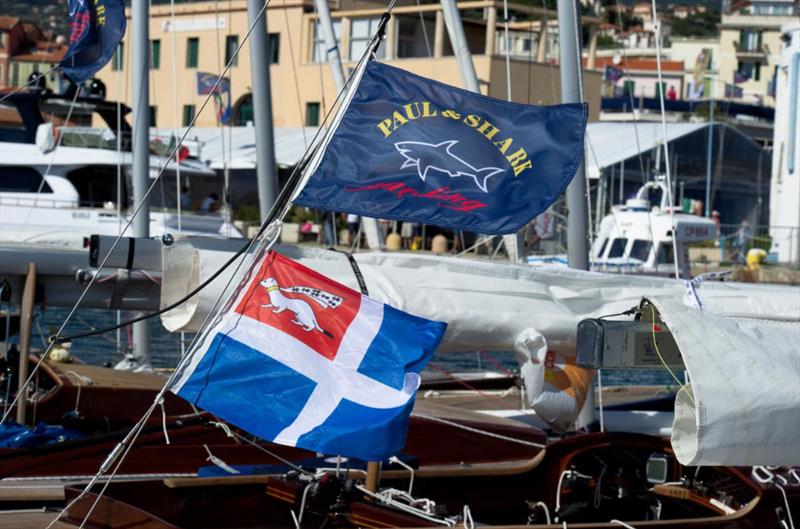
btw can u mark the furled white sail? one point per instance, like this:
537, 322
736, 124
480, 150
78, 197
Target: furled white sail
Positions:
488, 305
742, 406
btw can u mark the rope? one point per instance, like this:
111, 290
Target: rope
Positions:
478, 431
621, 523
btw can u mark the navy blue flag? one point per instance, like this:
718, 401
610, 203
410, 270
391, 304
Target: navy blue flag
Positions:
97, 27
409, 148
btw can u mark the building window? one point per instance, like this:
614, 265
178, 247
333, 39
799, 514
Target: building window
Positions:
312, 114
231, 45
118, 59
628, 88
318, 48
14, 80
155, 54
188, 115
153, 114
2, 39
274, 47
749, 70
411, 35
361, 32
192, 48
749, 40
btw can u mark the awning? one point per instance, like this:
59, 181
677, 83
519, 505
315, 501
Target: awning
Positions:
237, 145
610, 143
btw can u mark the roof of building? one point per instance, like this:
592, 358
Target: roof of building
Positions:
7, 22
610, 143
640, 64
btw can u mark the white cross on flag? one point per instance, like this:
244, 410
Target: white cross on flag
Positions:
304, 361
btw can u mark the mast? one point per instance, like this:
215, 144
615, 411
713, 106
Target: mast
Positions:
452, 20
569, 20
370, 226
140, 89
709, 146
262, 108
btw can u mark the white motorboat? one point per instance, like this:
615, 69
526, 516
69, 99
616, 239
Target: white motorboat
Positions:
57, 193
636, 238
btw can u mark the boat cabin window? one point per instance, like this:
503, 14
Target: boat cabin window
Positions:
602, 249
618, 247
665, 254
18, 179
640, 249
97, 185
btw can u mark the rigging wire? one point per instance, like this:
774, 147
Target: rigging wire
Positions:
50, 162
136, 211
29, 83
666, 141
294, 71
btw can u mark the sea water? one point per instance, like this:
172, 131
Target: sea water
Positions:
166, 347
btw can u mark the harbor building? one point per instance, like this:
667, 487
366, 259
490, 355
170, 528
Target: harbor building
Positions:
750, 46
201, 39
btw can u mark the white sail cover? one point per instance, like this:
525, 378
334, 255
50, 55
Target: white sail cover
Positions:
488, 305
742, 406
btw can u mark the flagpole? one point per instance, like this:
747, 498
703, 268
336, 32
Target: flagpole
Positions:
140, 90
262, 109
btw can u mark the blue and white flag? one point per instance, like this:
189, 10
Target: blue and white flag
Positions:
304, 361
96, 29
409, 148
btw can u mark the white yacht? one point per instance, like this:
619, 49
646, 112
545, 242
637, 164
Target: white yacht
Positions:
59, 196
636, 238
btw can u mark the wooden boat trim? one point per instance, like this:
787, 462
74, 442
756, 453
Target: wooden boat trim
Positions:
696, 522
501, 468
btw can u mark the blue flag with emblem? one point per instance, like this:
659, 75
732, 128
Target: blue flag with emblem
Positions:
304, 361
410, 148
96, 29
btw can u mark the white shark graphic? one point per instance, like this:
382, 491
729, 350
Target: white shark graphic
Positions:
438, 156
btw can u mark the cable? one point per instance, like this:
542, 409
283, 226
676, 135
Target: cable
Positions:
658, 352
29, 83
666, 142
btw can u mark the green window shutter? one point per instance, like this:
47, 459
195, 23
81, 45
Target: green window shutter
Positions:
155, 54
274, 47
628, 87
192, 48
188, 115
312, 114
153, 114
231, 44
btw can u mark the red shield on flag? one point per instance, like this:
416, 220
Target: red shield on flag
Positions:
300, 302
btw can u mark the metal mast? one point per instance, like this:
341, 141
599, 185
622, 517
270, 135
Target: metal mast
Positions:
452, 20
262, 108
140, 90
569, 20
